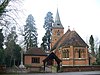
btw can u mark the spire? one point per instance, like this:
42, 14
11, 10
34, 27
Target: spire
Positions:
57, 19
57, 23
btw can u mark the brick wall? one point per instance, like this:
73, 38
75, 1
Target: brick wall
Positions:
28, 60
73, 56
80, 68
55, 37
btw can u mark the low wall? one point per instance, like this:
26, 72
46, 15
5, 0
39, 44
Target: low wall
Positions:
80, 68
2, 68
34, 69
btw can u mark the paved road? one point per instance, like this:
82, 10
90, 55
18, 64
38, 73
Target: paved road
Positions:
70, 73
73, 73
65, 73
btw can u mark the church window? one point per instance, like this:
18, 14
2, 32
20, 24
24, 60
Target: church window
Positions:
83, 53
75, 53
65, 54
79, 53
35, 60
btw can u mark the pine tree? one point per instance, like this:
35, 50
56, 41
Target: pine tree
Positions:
48, 27
30, 32
91, 41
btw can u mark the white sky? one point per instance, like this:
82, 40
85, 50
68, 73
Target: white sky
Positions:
82, 15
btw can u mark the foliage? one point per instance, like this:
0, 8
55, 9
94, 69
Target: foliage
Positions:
7, 21
2, 56
30, 32
48, 27
12, 51
17, 54
1, 47
48, 21
98, 57
44, 44
96, 54
1, 39
9, 14
91, 41
99, 52
3, 6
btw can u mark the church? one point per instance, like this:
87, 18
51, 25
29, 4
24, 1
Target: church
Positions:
67, 49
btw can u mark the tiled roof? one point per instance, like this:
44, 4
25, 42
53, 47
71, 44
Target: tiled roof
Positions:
52, 56
70, 38
35, 52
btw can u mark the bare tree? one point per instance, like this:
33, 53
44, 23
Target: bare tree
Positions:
10, 15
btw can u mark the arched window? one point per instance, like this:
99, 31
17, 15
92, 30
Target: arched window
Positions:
83, 53
79, 53
65, 53
76, 53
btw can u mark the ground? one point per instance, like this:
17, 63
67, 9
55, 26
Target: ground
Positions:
65, 73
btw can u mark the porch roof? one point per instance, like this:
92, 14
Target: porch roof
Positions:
52, 56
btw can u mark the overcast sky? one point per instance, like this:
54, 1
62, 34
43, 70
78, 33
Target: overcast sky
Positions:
81, 15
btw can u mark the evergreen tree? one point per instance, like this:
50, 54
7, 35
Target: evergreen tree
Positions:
48, 21
44, 43
1, 39
1, 48
30, 32
91, 41
98, 57
99, 52
48, 27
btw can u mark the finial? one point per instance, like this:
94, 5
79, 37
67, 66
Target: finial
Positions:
68, 27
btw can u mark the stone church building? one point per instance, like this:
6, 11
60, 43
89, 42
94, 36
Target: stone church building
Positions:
69, 48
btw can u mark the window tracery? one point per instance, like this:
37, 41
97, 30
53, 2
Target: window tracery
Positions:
66, 53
